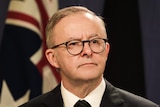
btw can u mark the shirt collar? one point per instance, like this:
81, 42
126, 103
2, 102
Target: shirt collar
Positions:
94, 98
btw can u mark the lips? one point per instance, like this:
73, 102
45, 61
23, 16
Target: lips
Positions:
87, 64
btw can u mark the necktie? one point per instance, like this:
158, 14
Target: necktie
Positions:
82, 103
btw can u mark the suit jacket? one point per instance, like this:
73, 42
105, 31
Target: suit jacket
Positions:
113, 97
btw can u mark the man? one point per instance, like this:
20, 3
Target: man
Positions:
78, 49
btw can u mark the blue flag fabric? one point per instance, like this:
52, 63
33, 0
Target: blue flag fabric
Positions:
25, 72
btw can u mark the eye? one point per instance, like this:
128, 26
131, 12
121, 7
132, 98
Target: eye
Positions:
95, 41
74, 43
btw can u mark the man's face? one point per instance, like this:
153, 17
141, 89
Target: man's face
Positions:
87, 65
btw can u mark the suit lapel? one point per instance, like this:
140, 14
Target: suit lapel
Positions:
111, 97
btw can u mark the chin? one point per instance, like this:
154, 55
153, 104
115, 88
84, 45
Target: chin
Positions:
91, 76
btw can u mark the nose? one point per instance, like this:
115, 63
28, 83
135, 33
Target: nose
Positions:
86, 49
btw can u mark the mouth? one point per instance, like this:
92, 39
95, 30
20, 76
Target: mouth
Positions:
87, 65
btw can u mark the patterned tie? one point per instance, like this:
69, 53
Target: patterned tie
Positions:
82, 103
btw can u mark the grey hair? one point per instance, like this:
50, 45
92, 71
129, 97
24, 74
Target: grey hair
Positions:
61, 14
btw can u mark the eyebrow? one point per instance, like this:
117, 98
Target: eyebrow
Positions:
93, 35
89, 37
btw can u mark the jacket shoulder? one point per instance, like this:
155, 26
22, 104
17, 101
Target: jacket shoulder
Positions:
50, 98
121, 98
132, 100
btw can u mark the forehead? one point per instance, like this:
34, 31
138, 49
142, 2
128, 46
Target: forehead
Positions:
81, 16
78, 24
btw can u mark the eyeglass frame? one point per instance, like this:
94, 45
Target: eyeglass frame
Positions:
84, 41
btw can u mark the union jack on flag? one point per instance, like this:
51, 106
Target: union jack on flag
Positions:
25, 72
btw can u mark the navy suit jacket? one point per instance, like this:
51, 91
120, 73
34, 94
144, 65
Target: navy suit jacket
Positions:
113, 97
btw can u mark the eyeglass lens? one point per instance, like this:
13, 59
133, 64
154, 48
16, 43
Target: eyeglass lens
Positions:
76, 47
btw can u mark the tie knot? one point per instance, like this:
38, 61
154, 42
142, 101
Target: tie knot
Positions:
82, 103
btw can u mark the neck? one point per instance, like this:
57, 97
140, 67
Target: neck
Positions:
81, 88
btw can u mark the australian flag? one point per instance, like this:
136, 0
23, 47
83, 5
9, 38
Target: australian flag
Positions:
24, 70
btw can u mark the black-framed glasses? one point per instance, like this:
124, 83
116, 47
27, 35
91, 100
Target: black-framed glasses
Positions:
75, 47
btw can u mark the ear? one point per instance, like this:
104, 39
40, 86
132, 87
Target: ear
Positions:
107, 49
51, 57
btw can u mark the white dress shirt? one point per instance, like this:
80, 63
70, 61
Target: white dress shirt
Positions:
93, 98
